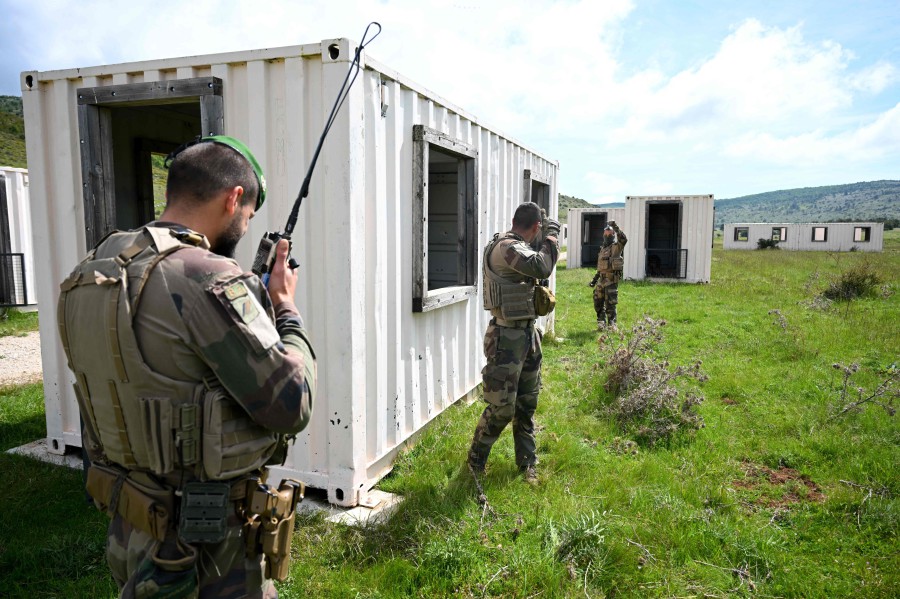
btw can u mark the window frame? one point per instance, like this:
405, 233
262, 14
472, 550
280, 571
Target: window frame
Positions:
824, 234
737, 232
425, 300
781, 232
868, 234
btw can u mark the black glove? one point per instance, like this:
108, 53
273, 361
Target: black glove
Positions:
593, 282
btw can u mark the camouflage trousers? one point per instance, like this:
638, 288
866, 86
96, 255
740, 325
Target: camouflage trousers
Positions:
606, 296
512, 381
222, 569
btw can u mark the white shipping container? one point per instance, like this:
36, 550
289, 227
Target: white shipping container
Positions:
407, 191
669, 237
586, 234
831, 237
16, 253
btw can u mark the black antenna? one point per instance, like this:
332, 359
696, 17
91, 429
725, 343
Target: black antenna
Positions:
339, 101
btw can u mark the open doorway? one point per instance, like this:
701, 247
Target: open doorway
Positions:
665, 256
592, 227
126, 132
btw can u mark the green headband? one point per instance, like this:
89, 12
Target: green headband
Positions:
244, 151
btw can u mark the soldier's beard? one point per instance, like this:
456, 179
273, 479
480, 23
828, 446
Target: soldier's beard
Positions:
227, 242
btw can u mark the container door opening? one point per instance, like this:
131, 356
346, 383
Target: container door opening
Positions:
126, 132
592, 237
665, 257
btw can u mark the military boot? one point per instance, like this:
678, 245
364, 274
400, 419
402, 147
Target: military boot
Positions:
476, 462
530, 474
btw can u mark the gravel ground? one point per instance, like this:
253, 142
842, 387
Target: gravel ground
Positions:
20, 359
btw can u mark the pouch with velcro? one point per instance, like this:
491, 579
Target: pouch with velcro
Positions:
145, 508
171, 433
232, 443
544, 300
618, 263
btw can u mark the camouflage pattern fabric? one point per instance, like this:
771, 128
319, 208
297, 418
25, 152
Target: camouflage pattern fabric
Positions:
606, 292
606, 296
222, 569
512, 375
201, 316
512, 381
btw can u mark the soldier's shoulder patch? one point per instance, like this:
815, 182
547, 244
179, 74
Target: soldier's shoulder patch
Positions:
236, 290
246, 310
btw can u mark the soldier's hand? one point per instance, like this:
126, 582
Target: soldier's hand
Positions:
282, 280
592, 282
613, 224
553, 227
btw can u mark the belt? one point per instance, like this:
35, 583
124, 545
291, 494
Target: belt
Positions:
513, 324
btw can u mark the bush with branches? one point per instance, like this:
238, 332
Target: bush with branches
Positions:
650, 402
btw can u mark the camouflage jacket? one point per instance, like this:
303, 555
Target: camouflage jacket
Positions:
516, 261
192, 323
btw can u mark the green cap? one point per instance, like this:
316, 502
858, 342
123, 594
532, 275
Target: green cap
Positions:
244, 151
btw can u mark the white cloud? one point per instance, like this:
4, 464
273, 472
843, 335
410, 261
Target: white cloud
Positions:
876, 78
760, 77
874, 140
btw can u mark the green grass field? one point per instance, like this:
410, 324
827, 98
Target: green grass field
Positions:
14, 322
774, 497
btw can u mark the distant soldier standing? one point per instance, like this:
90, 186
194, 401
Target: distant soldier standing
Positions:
190, 374
610, 262
512, 346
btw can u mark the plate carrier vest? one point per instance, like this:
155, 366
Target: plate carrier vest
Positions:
138, 418
515, 299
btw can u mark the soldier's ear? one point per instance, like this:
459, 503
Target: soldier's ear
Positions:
233, 200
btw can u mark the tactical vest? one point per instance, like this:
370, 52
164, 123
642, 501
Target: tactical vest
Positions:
514, 299
139, 418
610, 259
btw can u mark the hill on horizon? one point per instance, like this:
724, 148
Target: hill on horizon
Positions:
863, 201
12, 132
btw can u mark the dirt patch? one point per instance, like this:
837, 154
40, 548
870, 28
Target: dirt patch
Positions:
728, 401
777, 488
20, 359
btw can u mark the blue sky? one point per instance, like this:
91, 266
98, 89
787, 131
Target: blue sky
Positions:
632, 97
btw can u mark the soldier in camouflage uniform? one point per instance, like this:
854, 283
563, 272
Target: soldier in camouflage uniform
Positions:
512, 345
609, 273
198, 323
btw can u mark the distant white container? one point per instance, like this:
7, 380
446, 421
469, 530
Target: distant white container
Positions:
408, 190
585, 234
669, 237
16, 253
831, 237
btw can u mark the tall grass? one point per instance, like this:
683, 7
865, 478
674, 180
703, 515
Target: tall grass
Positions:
774, 497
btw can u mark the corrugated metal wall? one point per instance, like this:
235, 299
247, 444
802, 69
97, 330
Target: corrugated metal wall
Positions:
385, 371
575, 244
839, 236
696, 235
18, 212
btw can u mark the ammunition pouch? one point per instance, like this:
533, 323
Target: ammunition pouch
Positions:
146, 508
204, 512
233, 444
270, 516
617, 263
544, 300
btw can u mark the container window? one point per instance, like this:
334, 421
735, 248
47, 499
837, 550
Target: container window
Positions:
779, 233
445, 232
742, 233
820, 234
862, 233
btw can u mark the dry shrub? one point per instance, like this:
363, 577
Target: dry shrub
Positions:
860, 280
652, 402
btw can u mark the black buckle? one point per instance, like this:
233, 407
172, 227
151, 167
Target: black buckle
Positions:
204, 512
